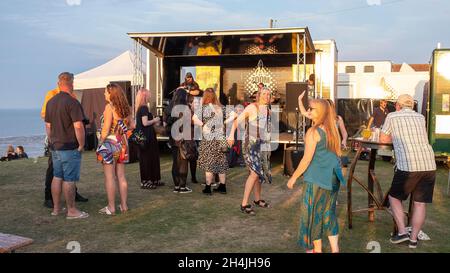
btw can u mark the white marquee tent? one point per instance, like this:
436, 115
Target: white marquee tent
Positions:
89, 86
118, 69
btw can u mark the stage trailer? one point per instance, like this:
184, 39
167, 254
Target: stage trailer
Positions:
230, 61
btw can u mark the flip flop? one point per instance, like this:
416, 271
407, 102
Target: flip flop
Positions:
58, 213
80, 216
106, 211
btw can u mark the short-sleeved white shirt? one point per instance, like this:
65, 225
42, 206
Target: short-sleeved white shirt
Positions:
409, 136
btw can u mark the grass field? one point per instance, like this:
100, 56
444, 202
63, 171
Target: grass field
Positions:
162, 221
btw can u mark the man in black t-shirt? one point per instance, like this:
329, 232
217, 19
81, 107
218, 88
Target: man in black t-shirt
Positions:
191, 86
379, 114
48, 202
65, 131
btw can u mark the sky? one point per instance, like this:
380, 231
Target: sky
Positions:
41, 38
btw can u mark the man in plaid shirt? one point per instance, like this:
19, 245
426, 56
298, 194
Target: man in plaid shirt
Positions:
415, 171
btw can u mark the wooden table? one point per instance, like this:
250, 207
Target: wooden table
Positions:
375, 200
9, 242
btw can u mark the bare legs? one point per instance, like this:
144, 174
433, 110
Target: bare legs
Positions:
222, 178
69, 195
417, 217
111, 172
251, 183
417, 220
209, 178
68, 189
334, 243
399, 215
318, 245
123, 186
110, 186
56, 194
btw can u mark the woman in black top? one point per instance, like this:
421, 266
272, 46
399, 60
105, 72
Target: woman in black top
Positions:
179, 104
149, 153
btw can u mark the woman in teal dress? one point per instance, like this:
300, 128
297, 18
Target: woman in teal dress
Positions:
322, 174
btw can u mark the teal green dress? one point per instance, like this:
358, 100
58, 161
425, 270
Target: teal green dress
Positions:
320, 192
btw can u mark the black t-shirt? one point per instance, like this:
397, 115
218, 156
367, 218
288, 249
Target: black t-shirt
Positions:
191, 86
379, 116
149, 131
61, 112
22, 155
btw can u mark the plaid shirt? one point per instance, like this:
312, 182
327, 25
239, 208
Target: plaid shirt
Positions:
409, 136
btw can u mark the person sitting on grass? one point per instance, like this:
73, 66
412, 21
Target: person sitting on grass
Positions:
21, 152
9, 155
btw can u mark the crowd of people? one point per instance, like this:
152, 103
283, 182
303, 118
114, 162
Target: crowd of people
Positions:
191, 109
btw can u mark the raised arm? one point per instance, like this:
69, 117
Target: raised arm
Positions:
302, 107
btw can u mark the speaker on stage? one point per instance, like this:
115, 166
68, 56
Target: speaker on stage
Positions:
292, 158
293, 90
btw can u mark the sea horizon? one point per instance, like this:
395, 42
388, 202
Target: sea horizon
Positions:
22, 126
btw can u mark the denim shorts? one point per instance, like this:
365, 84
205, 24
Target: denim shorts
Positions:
66, 165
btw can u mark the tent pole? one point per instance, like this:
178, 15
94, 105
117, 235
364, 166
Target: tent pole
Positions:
298, 57
304, 57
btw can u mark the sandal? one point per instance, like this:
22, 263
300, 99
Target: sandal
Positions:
63, 210
106, 211
82, 215
148, 185
247, 209
263, 205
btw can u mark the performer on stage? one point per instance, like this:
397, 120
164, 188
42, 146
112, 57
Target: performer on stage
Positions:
191, 86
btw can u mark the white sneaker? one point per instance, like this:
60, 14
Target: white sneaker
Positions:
185, 190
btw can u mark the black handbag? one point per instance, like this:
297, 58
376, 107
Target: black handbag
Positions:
188, 150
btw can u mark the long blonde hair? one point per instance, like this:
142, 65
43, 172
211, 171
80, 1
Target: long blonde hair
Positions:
10, 149
326, 116
142, 98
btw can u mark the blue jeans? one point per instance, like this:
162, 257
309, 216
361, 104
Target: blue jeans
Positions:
66, 165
